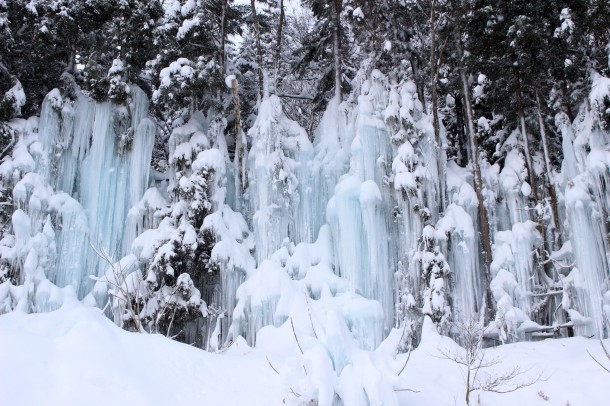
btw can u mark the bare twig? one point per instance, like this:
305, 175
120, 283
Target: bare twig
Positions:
474, 361
406, 390
271, 365
310, 319
298, 344
597, 362
406, 362
295, 336
119, 284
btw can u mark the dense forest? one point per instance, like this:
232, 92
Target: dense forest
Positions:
205, 168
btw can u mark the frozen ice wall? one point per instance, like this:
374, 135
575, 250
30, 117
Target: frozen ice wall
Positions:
279, 186
294, 190
586, 146
93, 166
359, 213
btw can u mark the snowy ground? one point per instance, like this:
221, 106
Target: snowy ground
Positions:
75, 356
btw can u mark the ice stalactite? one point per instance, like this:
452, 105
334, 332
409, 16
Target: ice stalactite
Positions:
232, 254
140, 155
86, 178
586, 148
146, 214
332, 143
515, 271
589, 248
348, 267
113, 175
515, 279
361, 241
359, 213
513, 191
298, 282
280, 149
455, 230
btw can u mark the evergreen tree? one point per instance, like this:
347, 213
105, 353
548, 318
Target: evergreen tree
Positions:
324, 51
188, 71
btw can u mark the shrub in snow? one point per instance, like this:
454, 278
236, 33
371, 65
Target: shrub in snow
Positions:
436, 280
199, 243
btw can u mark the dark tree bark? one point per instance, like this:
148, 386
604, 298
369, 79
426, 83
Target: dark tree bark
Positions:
336, 22
259, 49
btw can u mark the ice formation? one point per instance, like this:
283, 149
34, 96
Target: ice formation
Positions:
340, 243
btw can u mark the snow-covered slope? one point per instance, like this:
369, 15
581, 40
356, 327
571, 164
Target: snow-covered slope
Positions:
76, 356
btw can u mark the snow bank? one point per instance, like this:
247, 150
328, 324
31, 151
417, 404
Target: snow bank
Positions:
75, 356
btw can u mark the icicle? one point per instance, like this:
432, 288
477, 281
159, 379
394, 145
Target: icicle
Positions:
456, 230
587, 236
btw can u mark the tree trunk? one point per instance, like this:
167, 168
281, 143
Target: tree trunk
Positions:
462, 143
239, 139
435, 120
547, 164
489, 310
336, 19
259, 49
223, 35
531, 175
278, 45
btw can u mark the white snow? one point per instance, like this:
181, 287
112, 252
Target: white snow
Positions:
75, 356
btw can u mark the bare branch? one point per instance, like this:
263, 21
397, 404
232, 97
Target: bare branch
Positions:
298, 344
474, 360
406, 390
406, 362
295, 336
271, 365
295, 96
604, 348
310, 319
598, 363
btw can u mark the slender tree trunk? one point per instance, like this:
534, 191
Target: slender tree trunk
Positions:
547, 164
489, 311
239, 138
223, 35
526, 144
336, 19
468, 386
259, 49
531, 175
435, 120
278, 46
462, 143
434, 69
